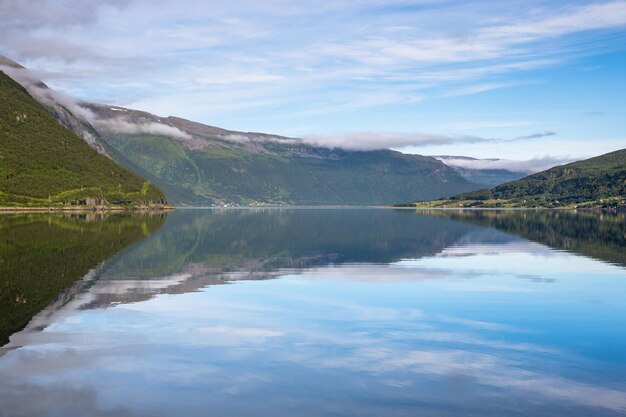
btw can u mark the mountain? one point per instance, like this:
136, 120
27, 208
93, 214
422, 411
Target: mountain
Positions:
478, 171
62, 108
599, 181
196, 164
199, 164
44, 164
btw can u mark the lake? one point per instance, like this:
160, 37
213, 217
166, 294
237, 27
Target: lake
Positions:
313, 312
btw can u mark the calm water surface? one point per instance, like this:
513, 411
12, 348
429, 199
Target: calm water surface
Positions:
347, 312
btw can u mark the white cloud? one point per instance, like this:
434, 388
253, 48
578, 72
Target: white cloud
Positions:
399, 140
386, 140
227, 78
479, 88
32, 82
125, 126
252, 137
384, 44
501, 40
574, 19
247, 64
531, 165
496, 124
247, 334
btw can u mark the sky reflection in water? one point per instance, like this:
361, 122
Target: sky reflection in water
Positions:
449, 317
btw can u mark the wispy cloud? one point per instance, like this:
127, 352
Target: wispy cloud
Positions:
398, 140
235, 77
478, 88
32, 82
125, 126
386, 140
537, 135
508, 37
279, 64
379, 43
495, 124
531, 165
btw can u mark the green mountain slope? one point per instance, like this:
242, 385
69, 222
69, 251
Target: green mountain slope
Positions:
44, 164
57, 105
199, 164
599, 181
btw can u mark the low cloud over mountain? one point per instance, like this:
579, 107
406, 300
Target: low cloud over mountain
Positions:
528, 166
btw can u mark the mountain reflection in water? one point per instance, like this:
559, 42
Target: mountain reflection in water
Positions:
42, 254
343, 312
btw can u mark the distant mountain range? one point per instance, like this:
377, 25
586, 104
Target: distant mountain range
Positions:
200, 164
42, 164
466, 167
196, 164
594, 182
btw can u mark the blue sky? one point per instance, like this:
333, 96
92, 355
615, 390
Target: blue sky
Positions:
508, 79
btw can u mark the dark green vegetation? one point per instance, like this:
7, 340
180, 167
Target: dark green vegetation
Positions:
44, 164
50, 100
41, 255
208, 165
241, 177
589, 233
594, 182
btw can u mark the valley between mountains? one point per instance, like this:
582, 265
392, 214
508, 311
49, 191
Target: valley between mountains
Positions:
59, 152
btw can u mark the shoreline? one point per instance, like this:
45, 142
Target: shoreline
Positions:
156, 209
85, 209
564, 208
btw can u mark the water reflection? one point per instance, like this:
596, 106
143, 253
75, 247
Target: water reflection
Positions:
41, 255
332, 312
199, 248
596, 234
